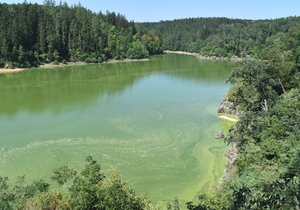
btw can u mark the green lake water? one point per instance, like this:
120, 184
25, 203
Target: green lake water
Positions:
152, 122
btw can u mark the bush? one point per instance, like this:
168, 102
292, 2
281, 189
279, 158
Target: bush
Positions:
48, 200
100, 59
91, 60
137, 50
89, 189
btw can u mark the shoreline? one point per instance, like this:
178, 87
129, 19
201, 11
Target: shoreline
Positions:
52, 65
208, 58
228, 118
227, 111
7, 70
231, 155
126, 60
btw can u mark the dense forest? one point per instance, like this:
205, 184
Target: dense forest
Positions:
222, 36
33, 34
266, 174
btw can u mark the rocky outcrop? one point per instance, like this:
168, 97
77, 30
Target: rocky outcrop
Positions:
227, 107
220, 135
231, 155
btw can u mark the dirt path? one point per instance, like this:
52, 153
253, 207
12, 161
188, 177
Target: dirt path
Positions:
209, 58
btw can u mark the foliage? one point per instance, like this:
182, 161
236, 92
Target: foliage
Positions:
224, 37
63, 174
152, 43
255, 84
48, 200
33, 34
89, 189
137, 50
267, 135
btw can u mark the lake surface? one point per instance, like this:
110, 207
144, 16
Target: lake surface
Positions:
152, 122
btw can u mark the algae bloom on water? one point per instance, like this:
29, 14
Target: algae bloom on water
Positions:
153, 122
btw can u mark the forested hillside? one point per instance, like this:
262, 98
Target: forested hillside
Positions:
33, 34
223, 36
266, 174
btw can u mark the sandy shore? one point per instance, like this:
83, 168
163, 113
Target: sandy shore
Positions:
209, 58
126, 60
52, 65
11, 70
228, 118
44, 66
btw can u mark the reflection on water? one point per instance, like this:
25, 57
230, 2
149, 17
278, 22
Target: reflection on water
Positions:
57, 89
154, 122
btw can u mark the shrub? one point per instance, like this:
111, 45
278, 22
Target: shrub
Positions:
137, 50
91, 60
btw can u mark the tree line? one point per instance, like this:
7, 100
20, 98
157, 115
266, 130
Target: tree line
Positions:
222, 36
33, 34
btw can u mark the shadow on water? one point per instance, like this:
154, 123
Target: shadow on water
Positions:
58, 89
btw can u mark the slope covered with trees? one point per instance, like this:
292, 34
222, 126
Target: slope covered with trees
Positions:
33, 34
222, 36
266, 174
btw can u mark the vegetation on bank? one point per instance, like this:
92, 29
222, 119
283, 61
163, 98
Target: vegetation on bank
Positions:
266, 174
223, 37
33, 34
87, 189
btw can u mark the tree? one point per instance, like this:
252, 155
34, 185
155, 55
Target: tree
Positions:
153, 43
90, 189
6, 196
137, 50
49, 33
4, 50
63, 174
258, 87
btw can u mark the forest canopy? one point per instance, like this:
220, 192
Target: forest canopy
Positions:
223, 36
33, 34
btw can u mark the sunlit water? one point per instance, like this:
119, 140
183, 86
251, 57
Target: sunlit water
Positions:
153, 122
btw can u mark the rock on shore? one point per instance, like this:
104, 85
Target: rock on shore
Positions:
231, 155
227, 107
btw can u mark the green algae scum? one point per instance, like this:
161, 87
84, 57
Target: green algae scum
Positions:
152, 122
